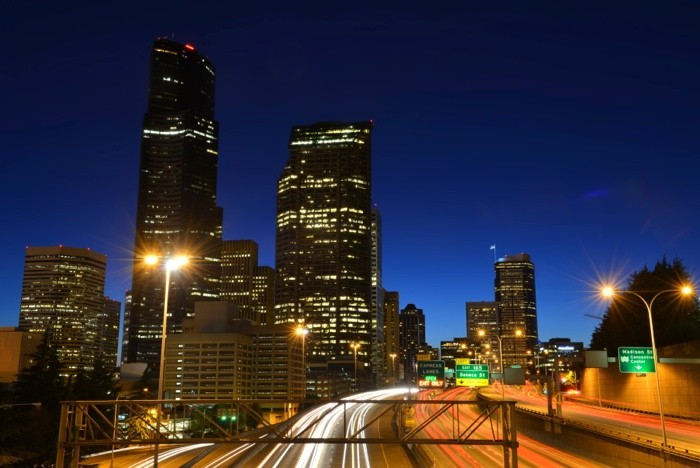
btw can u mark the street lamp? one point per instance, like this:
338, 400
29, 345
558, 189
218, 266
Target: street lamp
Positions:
685, 290
500, 359
355, 346
302, 331
171, 263
393, 368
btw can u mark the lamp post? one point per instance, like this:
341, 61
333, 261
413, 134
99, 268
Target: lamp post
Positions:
355, 346
608, 291
393, 368
302, 331
500, 359
171, 264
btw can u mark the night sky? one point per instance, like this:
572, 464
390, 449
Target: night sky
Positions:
568, 131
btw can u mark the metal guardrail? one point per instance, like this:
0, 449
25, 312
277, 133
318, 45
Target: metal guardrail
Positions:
87, 425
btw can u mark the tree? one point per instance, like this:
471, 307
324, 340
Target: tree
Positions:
95, 384
42, 382
626, 321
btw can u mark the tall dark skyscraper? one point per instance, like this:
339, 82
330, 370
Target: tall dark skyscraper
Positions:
176, 212
411, 339
324, 240
517, 307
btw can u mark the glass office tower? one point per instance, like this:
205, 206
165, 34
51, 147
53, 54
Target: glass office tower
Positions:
324, 240
176, 209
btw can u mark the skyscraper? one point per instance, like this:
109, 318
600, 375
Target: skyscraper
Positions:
63, 296
377, 299
176, 210
391, 333
411, 339
109, 330
246, 284
239, 259
517, 307
324, 240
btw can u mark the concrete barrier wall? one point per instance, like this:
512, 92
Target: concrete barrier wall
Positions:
680, 389
601, 448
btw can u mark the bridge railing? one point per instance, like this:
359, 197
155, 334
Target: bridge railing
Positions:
90, 425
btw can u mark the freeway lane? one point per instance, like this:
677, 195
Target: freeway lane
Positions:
531, 453
681, 434
339, 455
323, 422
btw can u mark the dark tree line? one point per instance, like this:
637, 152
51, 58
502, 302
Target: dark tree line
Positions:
626, 321
30, 408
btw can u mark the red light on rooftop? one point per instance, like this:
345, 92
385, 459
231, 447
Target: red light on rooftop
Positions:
189, 47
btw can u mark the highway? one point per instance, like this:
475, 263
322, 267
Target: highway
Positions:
327, 421
340, 455
681, 434
278, 455
531, 453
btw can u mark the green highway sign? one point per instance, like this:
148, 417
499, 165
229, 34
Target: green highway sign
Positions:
471, 375
636, 360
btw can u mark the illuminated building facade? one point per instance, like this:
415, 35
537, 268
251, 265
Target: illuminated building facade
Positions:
517, 307
377, 358
109, 330
249, 286
63, 296
324, 241
176, 209
482, 316
263, 294
220, 355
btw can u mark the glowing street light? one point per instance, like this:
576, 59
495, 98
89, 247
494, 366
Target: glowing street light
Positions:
171, 264
355, 347
685, 290
482, 333
302, 331
393, 367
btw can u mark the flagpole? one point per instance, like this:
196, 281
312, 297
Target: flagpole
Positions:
495, 258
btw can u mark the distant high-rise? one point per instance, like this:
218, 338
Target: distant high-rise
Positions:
324, 240
176, 210
482, 317
411, 339
517, 307
246, 284
109, 330
63, 296
239, 259
391, 331
263, 294
377, 313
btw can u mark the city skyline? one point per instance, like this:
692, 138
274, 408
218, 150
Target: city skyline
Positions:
567, 133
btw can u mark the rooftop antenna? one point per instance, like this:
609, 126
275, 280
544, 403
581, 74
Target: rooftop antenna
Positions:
493, 247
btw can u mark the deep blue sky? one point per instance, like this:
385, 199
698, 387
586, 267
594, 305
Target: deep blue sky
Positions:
566, 131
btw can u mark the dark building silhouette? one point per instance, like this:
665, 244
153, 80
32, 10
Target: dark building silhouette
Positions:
324, 241
391, 332
517, 308
411, 339
176, 211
